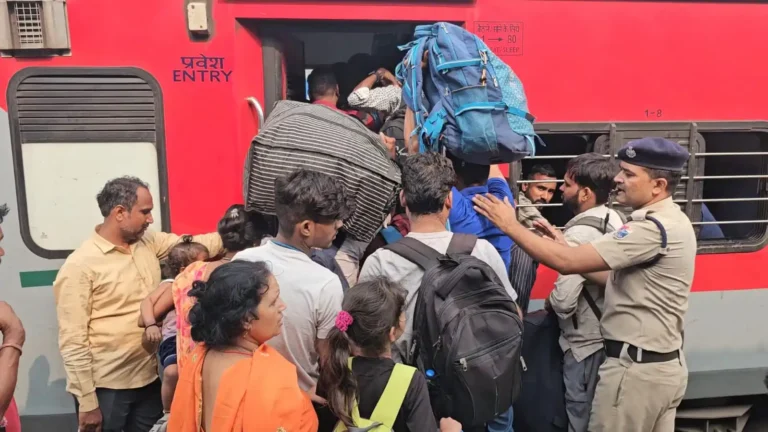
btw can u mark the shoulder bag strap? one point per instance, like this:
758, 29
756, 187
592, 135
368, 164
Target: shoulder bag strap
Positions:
415, 252
461, 244
600, 224
394, 394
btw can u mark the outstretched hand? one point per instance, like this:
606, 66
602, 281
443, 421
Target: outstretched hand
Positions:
549, 231
500, 213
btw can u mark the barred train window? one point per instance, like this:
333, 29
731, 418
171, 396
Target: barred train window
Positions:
72, 130
724, 189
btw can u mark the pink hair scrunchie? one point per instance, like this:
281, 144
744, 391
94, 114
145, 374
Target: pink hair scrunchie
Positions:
343, 321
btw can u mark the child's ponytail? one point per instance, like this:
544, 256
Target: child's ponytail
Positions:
370, 311
336, 377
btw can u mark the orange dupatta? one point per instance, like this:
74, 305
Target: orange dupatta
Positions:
257, 394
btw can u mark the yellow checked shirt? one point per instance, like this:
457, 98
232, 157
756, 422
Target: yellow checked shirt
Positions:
98, 292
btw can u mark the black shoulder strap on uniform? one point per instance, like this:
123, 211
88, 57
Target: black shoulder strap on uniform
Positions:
461, 244
415, 252
663, 233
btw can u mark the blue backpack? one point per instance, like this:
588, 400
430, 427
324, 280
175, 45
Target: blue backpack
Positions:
471, 104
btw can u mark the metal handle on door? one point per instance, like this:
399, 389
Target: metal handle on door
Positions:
259, 111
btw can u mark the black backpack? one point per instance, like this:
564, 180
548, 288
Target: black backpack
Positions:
394, 127
467, 334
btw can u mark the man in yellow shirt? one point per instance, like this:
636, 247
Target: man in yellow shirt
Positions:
98, 292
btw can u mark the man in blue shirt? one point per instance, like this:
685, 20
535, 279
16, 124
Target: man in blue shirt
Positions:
475, 179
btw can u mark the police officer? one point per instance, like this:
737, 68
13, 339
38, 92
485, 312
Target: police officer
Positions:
651, 263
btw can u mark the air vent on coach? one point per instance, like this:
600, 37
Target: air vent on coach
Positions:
34, 28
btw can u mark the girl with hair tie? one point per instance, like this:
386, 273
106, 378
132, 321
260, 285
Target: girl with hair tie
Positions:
359, 368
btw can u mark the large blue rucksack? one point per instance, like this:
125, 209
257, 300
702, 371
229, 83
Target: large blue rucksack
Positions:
471, 103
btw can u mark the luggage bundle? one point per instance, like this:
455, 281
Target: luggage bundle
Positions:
465, 100
314, 137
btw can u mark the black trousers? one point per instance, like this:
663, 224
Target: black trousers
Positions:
129, 410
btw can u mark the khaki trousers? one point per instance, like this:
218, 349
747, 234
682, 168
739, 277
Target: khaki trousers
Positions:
638, 397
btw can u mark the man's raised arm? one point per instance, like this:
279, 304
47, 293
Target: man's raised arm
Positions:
564, 259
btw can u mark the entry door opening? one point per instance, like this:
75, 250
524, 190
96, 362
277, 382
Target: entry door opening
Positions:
353, 49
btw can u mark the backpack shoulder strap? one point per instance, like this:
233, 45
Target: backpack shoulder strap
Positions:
600, 224
394, 394
592, 221
461, 244
591, 302
415, 252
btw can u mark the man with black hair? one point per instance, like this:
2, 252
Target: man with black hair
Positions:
523, 268
324, 90
648, 265
540, 192
98, 292
473, 179
378, 93
428, 180
578, 303
428, 198
310, 208
323, 87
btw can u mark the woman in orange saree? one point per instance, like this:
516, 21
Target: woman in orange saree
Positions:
235, 382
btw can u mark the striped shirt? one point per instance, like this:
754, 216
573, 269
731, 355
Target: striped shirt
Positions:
522, 275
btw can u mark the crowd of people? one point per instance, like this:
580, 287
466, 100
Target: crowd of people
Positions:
298, 327
253, 334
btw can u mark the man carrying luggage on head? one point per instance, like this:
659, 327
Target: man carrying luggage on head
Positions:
578, 302
651, 262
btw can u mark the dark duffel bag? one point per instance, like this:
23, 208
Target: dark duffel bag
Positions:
541, 405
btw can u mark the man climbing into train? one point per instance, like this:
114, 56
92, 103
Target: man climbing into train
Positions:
324, 90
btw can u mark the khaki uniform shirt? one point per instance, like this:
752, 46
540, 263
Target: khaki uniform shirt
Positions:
566, 298
98, 292
646, 306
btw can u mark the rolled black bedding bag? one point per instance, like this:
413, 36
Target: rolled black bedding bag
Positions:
298, 135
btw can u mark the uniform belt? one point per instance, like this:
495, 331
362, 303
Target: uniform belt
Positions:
613, 349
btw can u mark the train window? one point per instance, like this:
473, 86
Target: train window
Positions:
735, 195
72, 130
724, 190
34, 28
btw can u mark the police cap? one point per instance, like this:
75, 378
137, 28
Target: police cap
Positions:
654, 153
